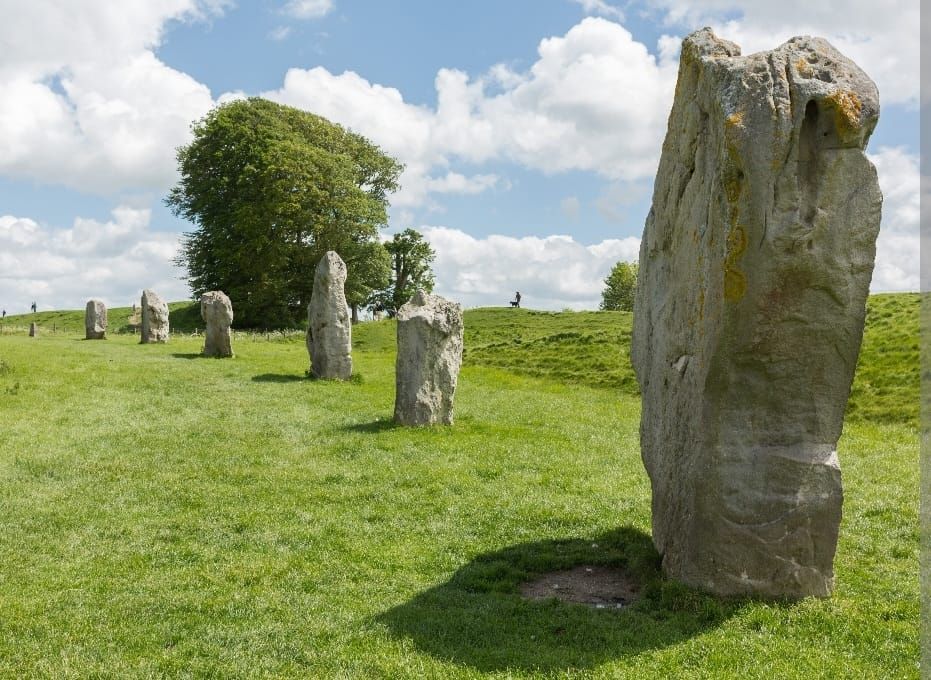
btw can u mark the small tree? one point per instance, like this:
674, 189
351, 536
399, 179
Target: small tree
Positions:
620, 287
411, 256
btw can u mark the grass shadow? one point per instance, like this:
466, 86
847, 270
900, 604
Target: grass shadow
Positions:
372, 427
188, 355
278, 378
479, 619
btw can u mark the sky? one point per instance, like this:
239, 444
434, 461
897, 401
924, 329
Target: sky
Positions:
530, 129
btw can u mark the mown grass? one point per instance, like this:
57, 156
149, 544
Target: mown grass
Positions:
168, 515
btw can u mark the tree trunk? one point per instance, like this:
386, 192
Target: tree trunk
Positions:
355, 314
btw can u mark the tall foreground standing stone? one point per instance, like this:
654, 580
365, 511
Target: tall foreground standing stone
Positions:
755, 265
217, 312
429, 356
95, 320
154, 318
329, 330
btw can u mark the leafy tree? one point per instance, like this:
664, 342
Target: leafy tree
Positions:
371, 265
411, 256
620, 287
270, 189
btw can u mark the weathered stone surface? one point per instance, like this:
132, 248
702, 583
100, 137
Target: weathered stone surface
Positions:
755, 266
429, 356
33, 329
217, 312
154, 317
95, 320
329, 331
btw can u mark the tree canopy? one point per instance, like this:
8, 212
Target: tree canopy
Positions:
270, 189
410, 257
620, 286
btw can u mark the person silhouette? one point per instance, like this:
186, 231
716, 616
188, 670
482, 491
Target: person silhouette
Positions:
4, 313
517, 298
33, 307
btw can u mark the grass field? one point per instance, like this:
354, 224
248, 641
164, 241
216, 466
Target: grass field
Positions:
169, 515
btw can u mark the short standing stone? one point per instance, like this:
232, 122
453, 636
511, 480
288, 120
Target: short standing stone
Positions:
755, 266
429, 357
329, 330
33, 329
95, 320
217, 312
154, 318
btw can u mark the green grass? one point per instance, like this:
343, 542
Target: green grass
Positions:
168, 515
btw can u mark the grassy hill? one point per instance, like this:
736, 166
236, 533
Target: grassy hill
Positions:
592, 348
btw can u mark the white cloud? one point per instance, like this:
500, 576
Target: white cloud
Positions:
898, 264
86, 103
600, 7
308, 9
882, 37
279, 33
63, 268
554, 272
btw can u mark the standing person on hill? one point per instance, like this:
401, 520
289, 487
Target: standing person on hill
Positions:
517, 298
33, 307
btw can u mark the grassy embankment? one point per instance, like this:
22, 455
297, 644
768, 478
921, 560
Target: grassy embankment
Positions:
168, 514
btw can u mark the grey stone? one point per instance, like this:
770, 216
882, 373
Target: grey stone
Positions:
755, 266
217, 312
429, 357
33, 329
95, 320
154, 318
329, 330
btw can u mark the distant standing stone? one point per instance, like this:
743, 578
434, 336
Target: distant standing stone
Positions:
154, 318
429, 357
217, 312
755, 266
95, 320
329, 330
33, 329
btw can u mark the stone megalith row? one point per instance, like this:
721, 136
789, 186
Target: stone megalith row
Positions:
217, 312
329, 327
95, 320
755, 266
428, 361
154, 318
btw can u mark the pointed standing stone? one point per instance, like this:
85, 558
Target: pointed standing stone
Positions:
217, 312
95, 320
755, 266
429, 357
154, 318
329, 331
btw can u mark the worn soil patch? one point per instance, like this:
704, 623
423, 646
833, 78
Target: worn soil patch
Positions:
599, 587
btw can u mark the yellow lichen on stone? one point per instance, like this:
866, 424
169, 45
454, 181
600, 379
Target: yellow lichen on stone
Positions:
735, 281
847, 107
804, 68
736, 119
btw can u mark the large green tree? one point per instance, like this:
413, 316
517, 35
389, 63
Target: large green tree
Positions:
270, 189
410, 257
620, 287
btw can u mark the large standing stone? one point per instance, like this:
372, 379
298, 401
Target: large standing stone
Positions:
154, 317
95, 320
429, 356
329, 331
217, 312
755, 266
33, 330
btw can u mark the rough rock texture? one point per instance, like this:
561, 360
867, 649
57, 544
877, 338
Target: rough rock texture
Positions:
429, 356
95, 320
154, 317
329, 331
755, 265
33, 329
217, 312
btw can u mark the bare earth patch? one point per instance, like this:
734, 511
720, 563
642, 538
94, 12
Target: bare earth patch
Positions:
599, 587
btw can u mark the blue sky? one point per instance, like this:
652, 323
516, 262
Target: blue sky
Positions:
530, 129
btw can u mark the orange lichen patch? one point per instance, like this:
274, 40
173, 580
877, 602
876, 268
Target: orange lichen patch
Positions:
736, 119
804, 68
847, 107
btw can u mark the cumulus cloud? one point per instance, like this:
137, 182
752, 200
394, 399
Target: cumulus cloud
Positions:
308, 9
882, 37
86, 102
63, 268
553, 272
898, 265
